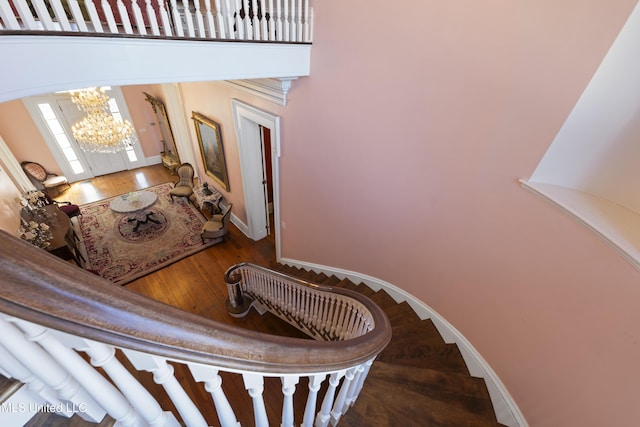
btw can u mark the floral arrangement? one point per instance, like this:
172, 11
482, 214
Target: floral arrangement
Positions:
33, 200
36, 233
33, 229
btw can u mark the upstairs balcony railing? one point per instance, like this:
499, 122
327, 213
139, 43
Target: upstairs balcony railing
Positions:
287, 21
76, 340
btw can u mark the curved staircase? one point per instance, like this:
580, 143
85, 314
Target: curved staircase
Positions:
418, 379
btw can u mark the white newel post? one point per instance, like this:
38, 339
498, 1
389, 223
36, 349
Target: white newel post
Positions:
107, 396
288, 389
315, 382
44, 367
163, 375
254, 383
213, 384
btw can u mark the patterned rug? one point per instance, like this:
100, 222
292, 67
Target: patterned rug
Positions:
118, 253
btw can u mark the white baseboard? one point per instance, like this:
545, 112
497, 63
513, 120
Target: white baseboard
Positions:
507, 412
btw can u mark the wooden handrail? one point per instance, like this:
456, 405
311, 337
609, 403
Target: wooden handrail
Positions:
46, 290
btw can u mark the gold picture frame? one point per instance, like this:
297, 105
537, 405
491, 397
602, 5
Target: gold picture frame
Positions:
211, 148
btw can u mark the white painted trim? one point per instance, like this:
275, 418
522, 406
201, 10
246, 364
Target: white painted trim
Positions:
274, 90
126, 61
507, 412
269, 120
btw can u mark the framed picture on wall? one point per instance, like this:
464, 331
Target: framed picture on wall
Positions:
211, 148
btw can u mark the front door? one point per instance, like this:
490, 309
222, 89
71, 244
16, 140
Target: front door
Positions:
99, 163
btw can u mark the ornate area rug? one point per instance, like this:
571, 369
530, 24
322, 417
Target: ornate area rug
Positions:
118, 253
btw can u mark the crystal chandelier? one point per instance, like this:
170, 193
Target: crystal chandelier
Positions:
99, 131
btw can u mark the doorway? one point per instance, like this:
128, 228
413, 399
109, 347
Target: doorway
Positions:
258, 134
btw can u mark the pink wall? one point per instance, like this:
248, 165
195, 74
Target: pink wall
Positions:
214, 101
143, 117
411, 141
23, 137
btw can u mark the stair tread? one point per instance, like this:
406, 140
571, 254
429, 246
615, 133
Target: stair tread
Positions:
424, 355
382, 403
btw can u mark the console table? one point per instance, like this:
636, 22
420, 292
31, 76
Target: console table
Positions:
211, 201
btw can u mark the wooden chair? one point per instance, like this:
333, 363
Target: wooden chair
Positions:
184, 186
47, 180
218, 226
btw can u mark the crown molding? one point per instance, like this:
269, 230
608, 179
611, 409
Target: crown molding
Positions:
274, 90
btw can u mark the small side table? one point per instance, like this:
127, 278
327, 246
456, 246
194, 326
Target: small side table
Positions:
211, 201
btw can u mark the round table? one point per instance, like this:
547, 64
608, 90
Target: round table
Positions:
135, 204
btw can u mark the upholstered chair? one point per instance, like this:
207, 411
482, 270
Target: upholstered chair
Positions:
184, 186
218, 226
46, 180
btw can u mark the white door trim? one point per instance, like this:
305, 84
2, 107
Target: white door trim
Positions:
244, 114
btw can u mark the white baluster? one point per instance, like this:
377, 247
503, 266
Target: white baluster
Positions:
213, 384
255, 23
77, 15
272, 22
12, 368
188, 18
176, 18
279, 31
93, 16
108, 14
60, 14
310, 26
43, 15
137, 14
363, 376
163, 375
44, 367
246, 22
8, 17
254, 383
288, 389
264, 29
285, 21
323, 417
104, 357
153, 19
100, 389
292, 22
307, 26
164, 18
354, 388
25, 15
315, 382
299, 21
124, 17
220, 20
199, 21
336, 412
209, 19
